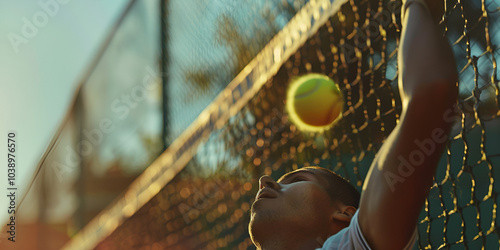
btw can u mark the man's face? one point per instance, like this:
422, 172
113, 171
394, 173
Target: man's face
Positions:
298, 201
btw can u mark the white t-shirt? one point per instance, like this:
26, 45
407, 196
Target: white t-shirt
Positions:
351, 237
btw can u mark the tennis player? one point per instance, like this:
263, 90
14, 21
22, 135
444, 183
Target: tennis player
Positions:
313, 208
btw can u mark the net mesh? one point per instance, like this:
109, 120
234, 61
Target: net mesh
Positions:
247, 134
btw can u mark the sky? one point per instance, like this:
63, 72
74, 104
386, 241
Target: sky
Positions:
45, 48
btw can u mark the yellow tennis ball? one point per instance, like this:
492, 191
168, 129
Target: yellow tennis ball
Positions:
314, 102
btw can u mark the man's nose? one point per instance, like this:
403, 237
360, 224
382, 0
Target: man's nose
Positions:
267, 181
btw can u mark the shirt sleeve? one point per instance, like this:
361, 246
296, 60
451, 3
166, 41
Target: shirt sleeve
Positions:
351, 237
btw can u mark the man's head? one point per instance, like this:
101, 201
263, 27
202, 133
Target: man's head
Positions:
311, 202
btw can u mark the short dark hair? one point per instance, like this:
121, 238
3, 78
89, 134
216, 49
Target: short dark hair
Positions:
339, 188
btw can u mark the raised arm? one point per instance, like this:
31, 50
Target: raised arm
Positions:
402, 172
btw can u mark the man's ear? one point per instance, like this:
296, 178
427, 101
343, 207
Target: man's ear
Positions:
344, 213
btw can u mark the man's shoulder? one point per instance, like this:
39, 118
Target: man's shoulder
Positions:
347, 238
352, 237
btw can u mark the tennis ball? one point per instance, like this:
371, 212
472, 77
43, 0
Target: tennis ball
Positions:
314, 102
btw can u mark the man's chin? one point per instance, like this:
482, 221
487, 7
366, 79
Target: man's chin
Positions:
261, 227
261, 213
